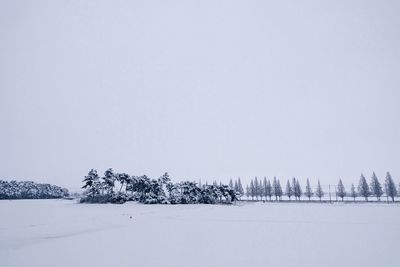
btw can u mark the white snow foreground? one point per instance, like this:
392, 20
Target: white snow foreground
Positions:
63, 233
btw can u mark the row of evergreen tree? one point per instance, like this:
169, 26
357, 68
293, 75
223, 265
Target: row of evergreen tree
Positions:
30, 190
115, 187
264, 189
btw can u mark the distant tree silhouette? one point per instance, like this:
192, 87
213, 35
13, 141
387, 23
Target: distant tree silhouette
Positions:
390, 187
319, 192
341, 191
376, 188
363, 188
308, 191
289, 190
353, 192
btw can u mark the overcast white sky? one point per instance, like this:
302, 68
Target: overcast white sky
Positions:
201, 89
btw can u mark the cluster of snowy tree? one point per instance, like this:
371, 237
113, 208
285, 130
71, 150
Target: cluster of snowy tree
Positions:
263, 189
115, 187
30, 190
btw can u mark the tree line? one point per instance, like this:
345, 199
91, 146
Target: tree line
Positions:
265, 190
115, 187
30, 190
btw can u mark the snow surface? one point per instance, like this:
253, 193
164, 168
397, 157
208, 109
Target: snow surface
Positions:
64, 233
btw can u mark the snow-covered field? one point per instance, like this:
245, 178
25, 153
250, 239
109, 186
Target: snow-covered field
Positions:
63, 233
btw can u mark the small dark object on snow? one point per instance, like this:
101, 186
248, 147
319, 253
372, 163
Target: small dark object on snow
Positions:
130, 217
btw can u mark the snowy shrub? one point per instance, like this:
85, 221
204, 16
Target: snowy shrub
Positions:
96, 199
118, 198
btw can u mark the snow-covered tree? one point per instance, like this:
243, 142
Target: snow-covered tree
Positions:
297, 191
390, 187
131, 184
363, 188
274, 188
31, 190
353, 192
231, 184
109, 181
277, 189
92, 183
267, 189
190, 193
289, 190
174, 194
341, 191
264, 186
248, 194
376, 188
260, 189
256, 188
319, 192
308, 191
252, 190
123, 179
164, 179
240, 188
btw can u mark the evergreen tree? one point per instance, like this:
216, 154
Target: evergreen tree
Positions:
174, 195
252, 189
289, 190
376, 187
268, 190
264, 188
231, 184
131, 184
247, 192
260, 189
363, 188
390, 187
279, 191
297, 189
164, 179
122, 178
275, 189
294, 187
109, 181
256, 188
353, 192
319, 192
308, 191
241, 191
341, 192
92, 183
